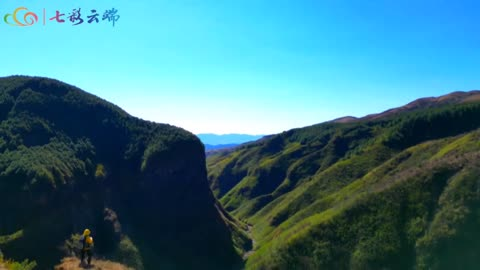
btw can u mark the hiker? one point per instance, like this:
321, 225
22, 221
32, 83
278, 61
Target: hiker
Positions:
87, 245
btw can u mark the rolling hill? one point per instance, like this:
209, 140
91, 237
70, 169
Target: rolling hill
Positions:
395, 190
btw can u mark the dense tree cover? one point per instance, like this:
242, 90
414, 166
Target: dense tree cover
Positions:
70, 160
393, 192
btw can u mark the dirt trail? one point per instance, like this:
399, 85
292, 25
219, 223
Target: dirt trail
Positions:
72, 263
250, 252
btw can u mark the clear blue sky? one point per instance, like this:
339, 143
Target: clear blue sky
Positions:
253, 66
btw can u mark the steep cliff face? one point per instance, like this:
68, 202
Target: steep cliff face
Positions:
69, 160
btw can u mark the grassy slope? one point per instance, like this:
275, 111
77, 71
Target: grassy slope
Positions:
13, 265
357, 195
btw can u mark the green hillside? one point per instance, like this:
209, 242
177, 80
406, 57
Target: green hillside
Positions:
397, 190
70, 160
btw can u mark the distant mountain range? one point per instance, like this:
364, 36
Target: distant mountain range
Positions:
209, 147
215, 141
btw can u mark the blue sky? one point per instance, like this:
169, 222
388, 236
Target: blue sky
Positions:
252, 66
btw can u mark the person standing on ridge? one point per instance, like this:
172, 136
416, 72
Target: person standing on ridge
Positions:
87, 245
